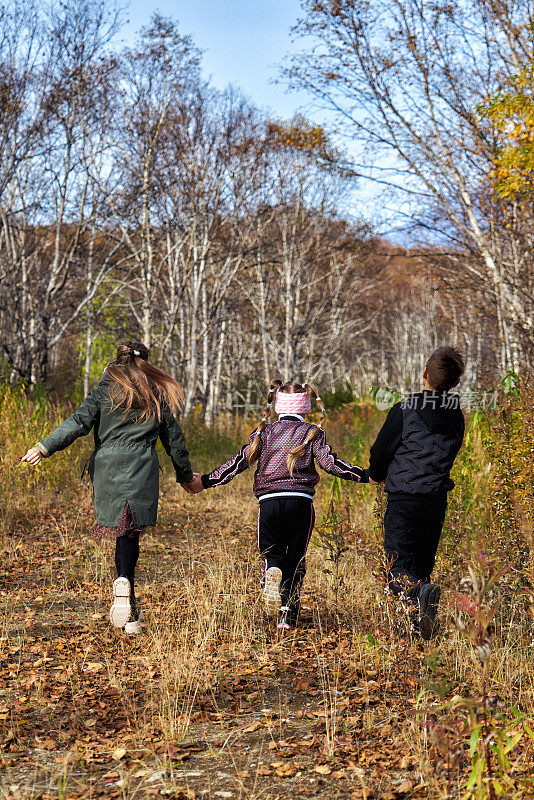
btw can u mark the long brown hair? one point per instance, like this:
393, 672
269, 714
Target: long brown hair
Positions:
135, 381
291, 387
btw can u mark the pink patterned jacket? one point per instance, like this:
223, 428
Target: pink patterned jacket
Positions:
272, 475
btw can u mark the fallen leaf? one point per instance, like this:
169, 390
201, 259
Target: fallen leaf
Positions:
93, 666
287, 770
254, 726
264, 770
323, 769
182, 756
185, 794
119, 753
405, 786
48, 744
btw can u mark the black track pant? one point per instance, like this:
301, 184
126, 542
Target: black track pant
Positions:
285, 525
412, 528
126, 555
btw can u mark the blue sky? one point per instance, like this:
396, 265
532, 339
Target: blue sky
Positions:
243, 41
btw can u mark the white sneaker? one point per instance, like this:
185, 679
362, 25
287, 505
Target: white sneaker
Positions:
135, 625
121, 609
271, 591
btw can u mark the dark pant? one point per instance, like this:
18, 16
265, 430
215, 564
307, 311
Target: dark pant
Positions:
126, 555
412, 528
285, 525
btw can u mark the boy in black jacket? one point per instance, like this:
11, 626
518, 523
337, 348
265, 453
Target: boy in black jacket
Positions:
413, 454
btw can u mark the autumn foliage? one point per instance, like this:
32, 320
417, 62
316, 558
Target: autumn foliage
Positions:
210, 695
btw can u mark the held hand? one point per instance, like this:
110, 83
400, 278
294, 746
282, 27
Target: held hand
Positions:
33, 456
196, 483
194, 486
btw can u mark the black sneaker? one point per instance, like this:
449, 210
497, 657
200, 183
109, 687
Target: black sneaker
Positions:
429, 596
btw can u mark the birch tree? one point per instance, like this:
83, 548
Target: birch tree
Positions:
209, 181
406, 80
45, 196
158, 75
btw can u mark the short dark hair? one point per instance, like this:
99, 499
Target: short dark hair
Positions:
443, 369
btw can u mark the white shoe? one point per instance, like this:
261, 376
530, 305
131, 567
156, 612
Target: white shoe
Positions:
271, 591
135, 625
121, 609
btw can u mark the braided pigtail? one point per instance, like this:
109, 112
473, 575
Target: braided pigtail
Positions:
253, 452
294, 455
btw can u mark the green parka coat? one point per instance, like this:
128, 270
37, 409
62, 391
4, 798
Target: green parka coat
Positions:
124, 466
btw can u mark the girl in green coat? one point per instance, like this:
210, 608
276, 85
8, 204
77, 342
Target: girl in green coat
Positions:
130, 408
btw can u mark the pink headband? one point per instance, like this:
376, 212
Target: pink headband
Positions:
297, 403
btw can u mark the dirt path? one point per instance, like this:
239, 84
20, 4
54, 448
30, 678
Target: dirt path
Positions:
211, 701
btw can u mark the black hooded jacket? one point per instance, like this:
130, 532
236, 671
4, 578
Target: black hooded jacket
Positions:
416, 447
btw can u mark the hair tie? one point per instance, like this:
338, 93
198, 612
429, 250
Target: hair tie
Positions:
135, 352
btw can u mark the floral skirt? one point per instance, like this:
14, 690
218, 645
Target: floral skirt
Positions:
124, 528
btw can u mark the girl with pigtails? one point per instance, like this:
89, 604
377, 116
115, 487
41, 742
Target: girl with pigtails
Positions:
284, 483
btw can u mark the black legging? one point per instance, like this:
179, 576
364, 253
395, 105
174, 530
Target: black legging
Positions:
284, 529
126, 555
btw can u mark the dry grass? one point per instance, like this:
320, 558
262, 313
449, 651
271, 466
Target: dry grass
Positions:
342, 696
211, 701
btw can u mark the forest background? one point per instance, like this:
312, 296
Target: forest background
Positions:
138, 201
